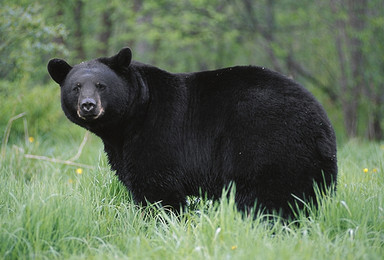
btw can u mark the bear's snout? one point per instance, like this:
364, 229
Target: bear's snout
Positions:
89, 109
87, 105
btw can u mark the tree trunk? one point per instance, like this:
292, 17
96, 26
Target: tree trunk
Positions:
375, 98
356, 15
59, 40
78, 34
266, 33
374, 130
351, 86
106, 31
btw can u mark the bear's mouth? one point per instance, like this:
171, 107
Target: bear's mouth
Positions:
90, 116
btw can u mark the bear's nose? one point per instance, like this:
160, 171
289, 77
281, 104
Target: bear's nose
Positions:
88, 104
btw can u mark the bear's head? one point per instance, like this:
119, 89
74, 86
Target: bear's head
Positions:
96, 92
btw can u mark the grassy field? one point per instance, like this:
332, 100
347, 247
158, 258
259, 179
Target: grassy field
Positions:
50, 210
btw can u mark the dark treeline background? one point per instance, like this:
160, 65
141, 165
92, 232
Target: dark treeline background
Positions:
333, 47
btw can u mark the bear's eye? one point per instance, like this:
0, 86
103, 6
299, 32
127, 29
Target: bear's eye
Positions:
77, 87
100, 86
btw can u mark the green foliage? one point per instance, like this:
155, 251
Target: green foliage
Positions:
26, 42
196, 39
50, 211
41, 105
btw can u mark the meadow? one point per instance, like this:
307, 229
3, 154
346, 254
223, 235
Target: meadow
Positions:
54, 210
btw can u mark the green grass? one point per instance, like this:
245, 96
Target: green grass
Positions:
48, 211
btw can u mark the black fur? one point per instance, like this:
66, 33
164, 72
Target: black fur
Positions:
168, 135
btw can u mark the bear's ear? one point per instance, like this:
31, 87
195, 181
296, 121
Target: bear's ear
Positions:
122, 59
58, 69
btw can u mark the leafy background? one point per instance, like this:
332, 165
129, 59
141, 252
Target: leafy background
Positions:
333, 47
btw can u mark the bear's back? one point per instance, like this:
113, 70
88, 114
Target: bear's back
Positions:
246, 94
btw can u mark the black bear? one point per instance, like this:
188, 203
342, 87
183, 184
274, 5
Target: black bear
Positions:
169, 135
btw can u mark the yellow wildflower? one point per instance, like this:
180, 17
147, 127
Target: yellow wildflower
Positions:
374, 170
365, 170
79, 171
31, 139
234, 247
